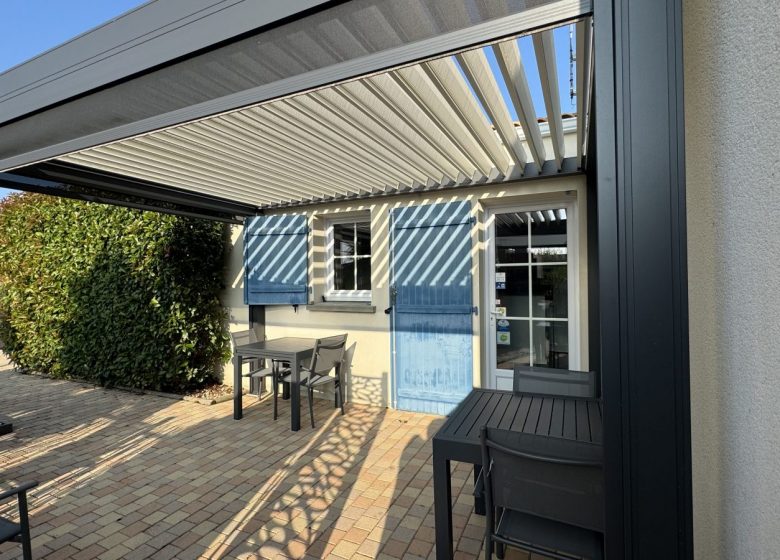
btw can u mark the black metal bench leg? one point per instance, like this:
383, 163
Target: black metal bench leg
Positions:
25, 523
310, 398
276, 394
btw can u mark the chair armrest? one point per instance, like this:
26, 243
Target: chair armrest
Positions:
21, 489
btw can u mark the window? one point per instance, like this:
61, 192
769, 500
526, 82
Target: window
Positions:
349, 260
533, 285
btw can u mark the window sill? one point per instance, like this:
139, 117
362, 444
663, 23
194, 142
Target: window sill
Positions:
342, 307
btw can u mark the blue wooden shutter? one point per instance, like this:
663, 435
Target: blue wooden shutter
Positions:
432, 312
275, 260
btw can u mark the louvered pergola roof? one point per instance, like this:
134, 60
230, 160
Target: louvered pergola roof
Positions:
437, 122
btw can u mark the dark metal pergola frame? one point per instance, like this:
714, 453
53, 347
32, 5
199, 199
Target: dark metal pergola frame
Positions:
637, 268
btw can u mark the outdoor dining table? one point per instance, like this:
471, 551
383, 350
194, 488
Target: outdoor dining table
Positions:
287, 349
573, 418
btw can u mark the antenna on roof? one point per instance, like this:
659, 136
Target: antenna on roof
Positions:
572, 60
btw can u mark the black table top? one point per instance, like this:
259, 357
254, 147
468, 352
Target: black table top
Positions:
573, 418
286, 345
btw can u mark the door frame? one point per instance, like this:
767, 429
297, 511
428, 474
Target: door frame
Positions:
570, 203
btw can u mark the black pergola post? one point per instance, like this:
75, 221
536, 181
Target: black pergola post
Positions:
639, 180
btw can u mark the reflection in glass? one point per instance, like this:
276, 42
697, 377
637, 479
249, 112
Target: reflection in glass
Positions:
344, 274
550, 287
512, 343
551, 344
343, 239
363, 238
364, 274
548, 237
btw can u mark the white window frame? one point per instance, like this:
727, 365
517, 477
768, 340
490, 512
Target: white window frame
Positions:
573, 245
332, 294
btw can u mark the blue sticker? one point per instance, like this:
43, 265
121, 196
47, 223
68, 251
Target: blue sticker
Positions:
500, 285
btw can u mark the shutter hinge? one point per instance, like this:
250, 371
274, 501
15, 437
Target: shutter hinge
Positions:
473, 221
475, 310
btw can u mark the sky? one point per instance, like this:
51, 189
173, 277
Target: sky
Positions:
31, 27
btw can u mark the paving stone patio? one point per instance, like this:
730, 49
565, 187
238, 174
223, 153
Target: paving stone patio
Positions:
139, 476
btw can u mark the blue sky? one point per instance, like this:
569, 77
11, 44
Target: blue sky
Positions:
35, 26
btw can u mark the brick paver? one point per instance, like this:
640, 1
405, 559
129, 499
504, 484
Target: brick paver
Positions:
139, 476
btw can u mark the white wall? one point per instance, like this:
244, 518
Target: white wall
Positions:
732, 106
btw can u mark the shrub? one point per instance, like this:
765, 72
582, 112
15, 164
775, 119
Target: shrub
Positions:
110, 294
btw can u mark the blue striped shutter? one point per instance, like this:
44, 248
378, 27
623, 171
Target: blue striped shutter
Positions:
432, 312
275, 260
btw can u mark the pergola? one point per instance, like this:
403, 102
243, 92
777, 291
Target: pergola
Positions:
223, 109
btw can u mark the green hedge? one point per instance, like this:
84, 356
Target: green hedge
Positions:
110, 294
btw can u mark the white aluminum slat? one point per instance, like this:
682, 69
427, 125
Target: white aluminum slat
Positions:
279, 127
134, 159
348, 111
419, 85
340, 138
268, 175
454, 91
511, 66
361, 95
584, 59
406, 108
477, 70
105, 163
544, 47
218, 131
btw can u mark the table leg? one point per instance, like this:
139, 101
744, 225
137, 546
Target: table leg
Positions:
442, 504
295, 394
479, 502
237, 412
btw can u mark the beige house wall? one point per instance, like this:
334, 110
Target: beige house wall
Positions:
370, 380
731, 55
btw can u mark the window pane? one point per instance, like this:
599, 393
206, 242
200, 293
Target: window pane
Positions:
551, 344
548, 237
512, 291
364, 274
512, 343
511, 238
550, 291
344, 273
363, 239
343, 239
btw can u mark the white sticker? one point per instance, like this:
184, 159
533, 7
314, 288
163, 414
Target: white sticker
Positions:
501, 311
500, 276
502, 338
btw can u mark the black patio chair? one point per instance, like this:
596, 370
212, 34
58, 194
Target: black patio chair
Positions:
555, 382
18, 532
543, 495
328, 356
258, 371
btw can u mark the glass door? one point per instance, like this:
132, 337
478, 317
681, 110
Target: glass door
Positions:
530, 277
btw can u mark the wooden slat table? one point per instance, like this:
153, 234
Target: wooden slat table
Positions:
458, 439
287, 349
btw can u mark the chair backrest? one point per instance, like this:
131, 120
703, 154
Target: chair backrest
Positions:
346, 361
555, 382
554, 478
244, 337
328, 353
